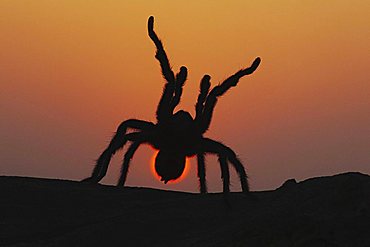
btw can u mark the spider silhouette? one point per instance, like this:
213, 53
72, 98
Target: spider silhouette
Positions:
176, 135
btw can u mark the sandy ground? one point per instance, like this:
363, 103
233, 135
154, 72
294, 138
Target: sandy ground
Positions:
326, 211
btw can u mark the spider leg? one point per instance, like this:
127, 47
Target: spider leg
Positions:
202, 173
117, 142
164, 109
211, 146
203, 92
161, 55
219, 90
127, 158
105, 158
180, 82
225, 175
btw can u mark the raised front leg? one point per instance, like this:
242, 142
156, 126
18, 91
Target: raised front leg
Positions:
219, 90
117, 142
161, 54
173, 88
180, 82
205, 84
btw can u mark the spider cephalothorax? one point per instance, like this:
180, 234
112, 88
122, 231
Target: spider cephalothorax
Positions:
176, 135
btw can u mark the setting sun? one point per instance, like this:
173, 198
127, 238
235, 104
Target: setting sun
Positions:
183, 175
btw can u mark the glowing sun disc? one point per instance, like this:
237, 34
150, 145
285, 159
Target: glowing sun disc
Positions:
183, 175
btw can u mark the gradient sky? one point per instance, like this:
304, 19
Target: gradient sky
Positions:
72, 70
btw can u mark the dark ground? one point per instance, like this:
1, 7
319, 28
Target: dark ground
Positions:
326, 211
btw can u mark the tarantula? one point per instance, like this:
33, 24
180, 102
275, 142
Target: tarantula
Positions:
176, 135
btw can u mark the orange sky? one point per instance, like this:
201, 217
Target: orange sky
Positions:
71, 71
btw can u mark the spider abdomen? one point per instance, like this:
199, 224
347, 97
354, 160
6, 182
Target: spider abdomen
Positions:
169, 165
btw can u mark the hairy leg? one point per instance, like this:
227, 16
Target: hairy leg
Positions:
126, 161
203, 92
180, 82
202, 173
225, 175
166, 103
219, 90
212, 146
117, 142
161, 54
